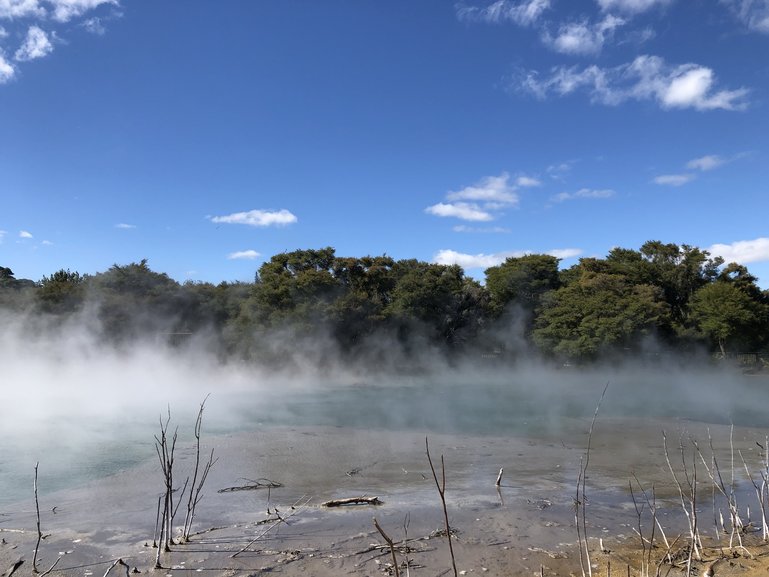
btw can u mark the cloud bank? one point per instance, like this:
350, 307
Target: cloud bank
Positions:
484, 261
487, 198
647, 78
743, 251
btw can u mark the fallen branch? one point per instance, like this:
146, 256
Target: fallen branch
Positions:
352, 501
115, 564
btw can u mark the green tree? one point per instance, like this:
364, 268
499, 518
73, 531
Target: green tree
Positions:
62, 292
7, 278
366, 286
296, 287
135, 300
679, 271
522, 281
438, 298
729, 316
599, 313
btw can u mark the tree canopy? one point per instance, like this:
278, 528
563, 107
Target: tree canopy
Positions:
676, 294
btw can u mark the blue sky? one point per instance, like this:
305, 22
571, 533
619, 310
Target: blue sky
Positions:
208, 136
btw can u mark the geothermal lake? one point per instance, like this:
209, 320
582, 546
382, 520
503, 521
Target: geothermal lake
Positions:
76, 444
336, 438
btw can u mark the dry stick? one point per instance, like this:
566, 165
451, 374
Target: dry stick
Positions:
639, 512
646, 556
764, 526
115, 564
194, 497
51, 568
652, 504
406, 523
166, 458
684, 498
391, 545
39, 532
157, 523
717, 479
296, 508
363, 500
442, 492
576, 519
583, 477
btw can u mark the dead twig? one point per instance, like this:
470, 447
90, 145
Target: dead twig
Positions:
39, 532
196, 490
441, 486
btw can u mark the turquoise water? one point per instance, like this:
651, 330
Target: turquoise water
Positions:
72, 452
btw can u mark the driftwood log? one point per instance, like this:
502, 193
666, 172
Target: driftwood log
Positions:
353, 501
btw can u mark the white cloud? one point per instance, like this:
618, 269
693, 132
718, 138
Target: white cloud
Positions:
258, 218
461, 210
486, 229
3, 32
583, 37
523, 12
564, 253
584, 193
753, 13
557, 171
471, 261
243, 255
2, 235
65, 10
25, 234
46, 243
631, 6
703, 163
646, 78
7, 71
94, 26
493, 189
743, 251
527, 181
11, 9
489, 196
673, 179
36, 45
125, 226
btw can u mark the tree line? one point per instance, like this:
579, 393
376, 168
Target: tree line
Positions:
677, 297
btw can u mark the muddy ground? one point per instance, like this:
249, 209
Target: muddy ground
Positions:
526, 526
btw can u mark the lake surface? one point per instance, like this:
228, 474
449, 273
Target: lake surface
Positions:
73, 448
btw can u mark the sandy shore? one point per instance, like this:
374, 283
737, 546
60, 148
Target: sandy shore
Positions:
524, 527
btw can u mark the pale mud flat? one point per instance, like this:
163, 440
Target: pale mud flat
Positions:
524, 527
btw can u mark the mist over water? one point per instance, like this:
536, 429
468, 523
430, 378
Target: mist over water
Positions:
84, 409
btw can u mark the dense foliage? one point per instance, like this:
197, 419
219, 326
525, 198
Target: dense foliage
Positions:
628, 303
